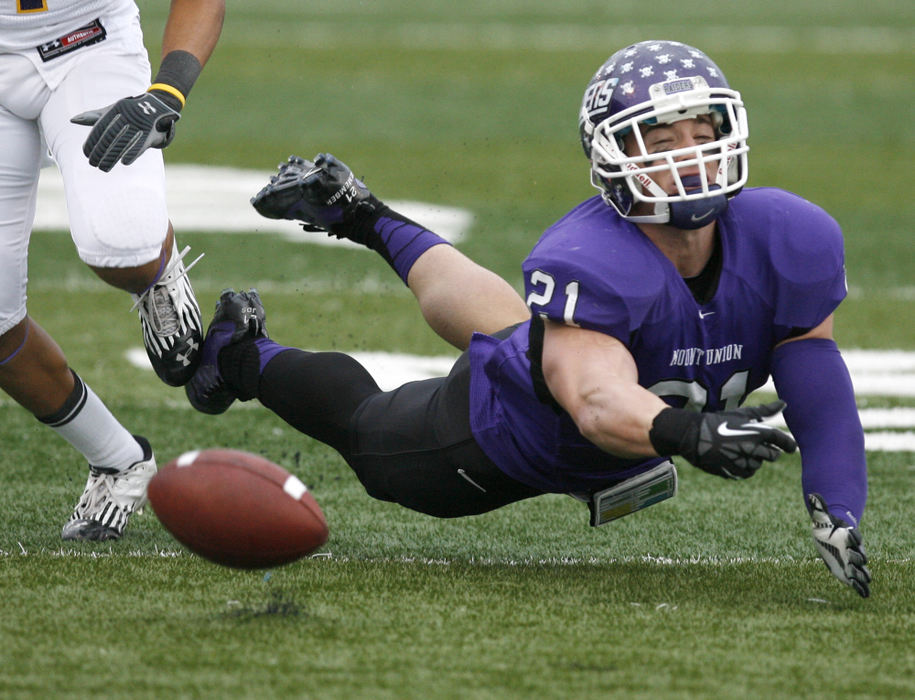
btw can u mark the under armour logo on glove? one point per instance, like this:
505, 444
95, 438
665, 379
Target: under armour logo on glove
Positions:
124, 130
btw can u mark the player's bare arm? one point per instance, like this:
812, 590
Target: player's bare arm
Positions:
193, 26
594, 378
824, 331
123, 131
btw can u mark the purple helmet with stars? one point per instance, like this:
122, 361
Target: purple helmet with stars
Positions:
657, 83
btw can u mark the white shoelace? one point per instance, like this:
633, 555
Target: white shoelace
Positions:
173, 263
95, 496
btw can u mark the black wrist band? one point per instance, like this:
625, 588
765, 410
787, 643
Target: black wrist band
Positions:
669, 428
180, 70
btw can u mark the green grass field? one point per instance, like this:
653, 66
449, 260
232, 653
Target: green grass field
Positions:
716, 593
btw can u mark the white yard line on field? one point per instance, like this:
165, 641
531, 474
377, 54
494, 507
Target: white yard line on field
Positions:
391, 370
216, 200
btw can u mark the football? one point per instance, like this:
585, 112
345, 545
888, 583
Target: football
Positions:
237, 509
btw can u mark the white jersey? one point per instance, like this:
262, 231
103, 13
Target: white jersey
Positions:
25, 24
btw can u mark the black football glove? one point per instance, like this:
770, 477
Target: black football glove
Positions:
324, 195
839, 545
730, 444
123, 130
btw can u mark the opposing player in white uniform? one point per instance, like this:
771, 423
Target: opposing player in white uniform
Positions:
75, 83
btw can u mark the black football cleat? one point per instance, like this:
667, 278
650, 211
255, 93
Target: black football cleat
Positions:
239, 315
324, 195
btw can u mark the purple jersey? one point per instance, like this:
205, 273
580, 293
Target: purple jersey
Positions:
782, 269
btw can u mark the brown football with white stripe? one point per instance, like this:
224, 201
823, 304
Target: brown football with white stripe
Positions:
237, 509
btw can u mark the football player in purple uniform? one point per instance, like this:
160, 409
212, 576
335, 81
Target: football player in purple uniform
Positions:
652, 311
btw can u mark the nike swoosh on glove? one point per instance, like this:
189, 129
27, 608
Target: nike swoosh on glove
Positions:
731, 444
839, 545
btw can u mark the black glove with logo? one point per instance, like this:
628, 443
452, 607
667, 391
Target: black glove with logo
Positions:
730, 444
123, 130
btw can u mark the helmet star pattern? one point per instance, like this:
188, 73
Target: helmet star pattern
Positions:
661, 82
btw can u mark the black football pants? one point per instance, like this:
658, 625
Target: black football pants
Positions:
412, 445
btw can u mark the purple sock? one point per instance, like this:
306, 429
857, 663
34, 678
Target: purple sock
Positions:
404, 242
267, 349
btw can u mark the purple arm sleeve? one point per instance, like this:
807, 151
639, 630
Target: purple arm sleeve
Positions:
811, 376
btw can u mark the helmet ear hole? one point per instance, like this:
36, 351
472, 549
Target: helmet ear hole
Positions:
586, 134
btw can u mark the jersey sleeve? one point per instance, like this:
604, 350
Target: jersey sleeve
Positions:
594, 279
808, 262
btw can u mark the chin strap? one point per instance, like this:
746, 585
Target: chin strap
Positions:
688, 215
698, 212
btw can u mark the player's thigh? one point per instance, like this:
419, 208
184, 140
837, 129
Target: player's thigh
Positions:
446, 482
20, 157
414, 446
119, 218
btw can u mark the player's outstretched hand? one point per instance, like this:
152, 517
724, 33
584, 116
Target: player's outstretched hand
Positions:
730, 444
323, 194
839, 545
123, 130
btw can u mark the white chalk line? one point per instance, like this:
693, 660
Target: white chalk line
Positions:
391, 370
20, 550
217, 200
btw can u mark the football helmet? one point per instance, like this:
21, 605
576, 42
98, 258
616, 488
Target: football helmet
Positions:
662, 82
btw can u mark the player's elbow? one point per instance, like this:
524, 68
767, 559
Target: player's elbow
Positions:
603, 419
595, 423
589, 419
